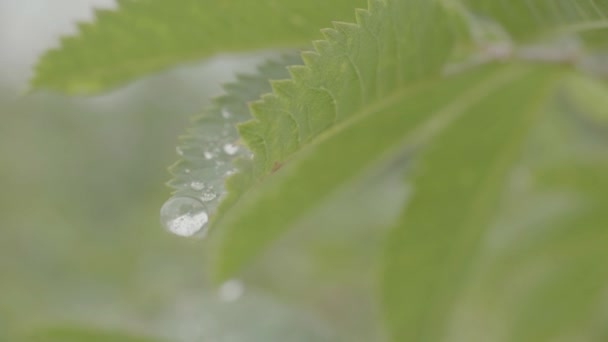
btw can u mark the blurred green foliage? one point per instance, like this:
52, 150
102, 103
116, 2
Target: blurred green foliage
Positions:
82, 182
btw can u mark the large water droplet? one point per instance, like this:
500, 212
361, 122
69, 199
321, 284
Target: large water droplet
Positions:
231, 149
231, 290
184, 216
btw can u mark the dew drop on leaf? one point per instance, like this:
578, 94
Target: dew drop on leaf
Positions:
226, 114
231, 149
184, 216
208, 155
220, 166
231, 290
208, 196
197, 185
179, 151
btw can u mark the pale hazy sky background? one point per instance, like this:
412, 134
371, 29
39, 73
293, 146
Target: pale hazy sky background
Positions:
29, 27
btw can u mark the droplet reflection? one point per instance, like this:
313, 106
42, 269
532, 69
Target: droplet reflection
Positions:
231, 149
231, 290
184, 216
197, 185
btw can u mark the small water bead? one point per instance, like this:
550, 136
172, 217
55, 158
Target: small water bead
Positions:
197, 185
179, 151
207, 192
208, 155
208, 196
219, 164
231, 149
231, 290
184, 216
226, 114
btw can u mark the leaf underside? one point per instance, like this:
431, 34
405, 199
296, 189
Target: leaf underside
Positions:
212, 142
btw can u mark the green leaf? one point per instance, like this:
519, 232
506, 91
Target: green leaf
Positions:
212, 142
340, 81
320, 94
457, 182
567, 296
145, 36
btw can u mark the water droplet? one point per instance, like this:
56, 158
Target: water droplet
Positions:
187, 171
226, 114
231, 149
179, 151
197, 185
231, 290
184, 216
208, 196
208, 155
230, 172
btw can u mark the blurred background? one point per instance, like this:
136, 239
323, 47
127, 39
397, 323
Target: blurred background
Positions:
82, 182
82, 252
